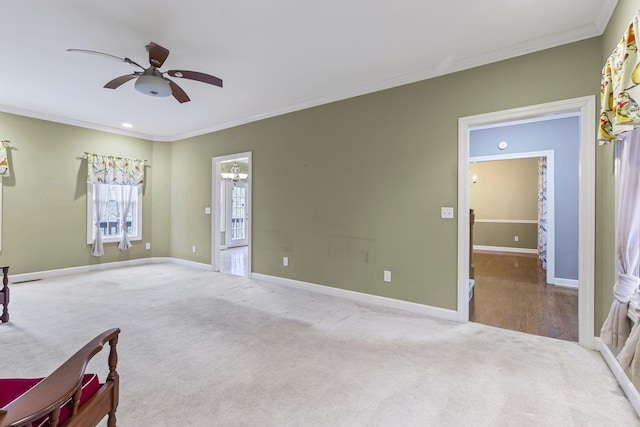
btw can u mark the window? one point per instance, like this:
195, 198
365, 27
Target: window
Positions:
113, 202
238, 212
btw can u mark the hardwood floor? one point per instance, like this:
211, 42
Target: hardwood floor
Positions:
235, 261
511, 292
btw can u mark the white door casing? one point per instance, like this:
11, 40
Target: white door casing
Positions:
586, 107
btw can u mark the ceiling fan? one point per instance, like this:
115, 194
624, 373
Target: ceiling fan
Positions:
151, 81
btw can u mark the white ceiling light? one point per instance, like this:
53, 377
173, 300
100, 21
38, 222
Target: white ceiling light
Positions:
152, 85
127, 125
234, 176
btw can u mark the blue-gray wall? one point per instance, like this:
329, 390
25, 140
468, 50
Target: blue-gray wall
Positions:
561, 135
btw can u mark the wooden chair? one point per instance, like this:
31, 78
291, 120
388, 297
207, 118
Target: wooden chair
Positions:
4, 295
68, 397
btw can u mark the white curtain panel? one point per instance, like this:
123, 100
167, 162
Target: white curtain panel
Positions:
542, 212
101, 194
629, 243
126, 192
615, 330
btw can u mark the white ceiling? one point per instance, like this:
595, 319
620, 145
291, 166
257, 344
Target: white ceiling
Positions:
274, 56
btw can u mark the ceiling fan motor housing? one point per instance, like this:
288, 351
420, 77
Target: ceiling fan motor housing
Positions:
152, 85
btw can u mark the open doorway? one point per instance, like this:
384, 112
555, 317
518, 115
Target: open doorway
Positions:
513, 271
231, 221
584, 109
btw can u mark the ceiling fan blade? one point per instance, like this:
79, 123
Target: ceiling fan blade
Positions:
119, 81
157, 54
178, 93
117, 58
194, 75
93, 52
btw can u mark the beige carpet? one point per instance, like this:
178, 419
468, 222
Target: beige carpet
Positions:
205, 349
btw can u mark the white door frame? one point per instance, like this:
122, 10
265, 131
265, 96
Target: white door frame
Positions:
215, 203
586, 107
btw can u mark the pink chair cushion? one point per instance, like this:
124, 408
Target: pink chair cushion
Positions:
12, 388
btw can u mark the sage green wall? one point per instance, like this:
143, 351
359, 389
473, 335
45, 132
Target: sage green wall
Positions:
505, 190
159, 172
44, 199
349, 189
501, 234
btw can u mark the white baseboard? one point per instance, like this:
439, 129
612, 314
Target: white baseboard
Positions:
412, 307
198, 265
504, 249
38, 275
565, 283
625, 383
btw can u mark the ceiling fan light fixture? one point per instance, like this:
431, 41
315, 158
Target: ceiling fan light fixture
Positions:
152, 86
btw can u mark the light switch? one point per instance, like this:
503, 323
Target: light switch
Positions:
446, 212
207, 210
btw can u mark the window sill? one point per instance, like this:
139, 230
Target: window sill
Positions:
106, 240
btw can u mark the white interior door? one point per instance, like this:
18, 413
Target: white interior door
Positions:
237, 215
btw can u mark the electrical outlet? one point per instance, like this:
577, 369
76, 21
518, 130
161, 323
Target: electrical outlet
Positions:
387, 276
446, 213
285, 261
516, 238
147, 246
193, 249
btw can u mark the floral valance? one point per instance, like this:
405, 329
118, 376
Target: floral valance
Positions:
620, 88
114, 170
4, 162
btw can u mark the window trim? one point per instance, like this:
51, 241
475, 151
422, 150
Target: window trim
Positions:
110, 239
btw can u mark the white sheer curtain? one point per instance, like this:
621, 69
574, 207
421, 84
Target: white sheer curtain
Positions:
542, 212
615, 330
124, 202
101, 194
125, 175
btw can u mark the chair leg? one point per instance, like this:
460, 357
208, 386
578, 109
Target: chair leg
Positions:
5, 314
5, 295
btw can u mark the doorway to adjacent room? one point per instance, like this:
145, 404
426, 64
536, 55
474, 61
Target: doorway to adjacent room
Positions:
584, 108
231, 219
513, 259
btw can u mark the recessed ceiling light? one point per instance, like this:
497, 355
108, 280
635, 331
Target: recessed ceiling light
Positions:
127, 125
